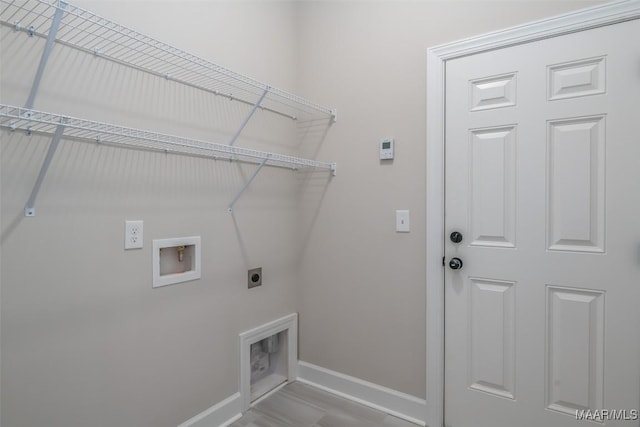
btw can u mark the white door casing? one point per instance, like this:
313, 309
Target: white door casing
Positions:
500, 290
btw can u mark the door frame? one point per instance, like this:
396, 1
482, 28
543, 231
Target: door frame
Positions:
437, 57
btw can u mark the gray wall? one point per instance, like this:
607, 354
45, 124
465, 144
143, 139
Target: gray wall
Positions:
362, 293
87, 341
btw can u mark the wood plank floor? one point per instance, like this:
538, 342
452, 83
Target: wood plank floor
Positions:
300, 405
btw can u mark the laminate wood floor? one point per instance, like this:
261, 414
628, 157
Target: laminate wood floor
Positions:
300, 405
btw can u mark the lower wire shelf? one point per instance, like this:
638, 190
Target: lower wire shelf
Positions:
59, 126
28, 120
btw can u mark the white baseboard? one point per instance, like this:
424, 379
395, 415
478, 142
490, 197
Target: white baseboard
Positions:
393, 402
219, 415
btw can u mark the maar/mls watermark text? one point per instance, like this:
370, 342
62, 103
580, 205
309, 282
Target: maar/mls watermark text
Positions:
607, 414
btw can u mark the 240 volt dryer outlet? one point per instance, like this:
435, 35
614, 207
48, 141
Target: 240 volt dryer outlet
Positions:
254, 277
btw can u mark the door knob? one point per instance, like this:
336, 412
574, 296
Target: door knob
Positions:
455, 263
456, 237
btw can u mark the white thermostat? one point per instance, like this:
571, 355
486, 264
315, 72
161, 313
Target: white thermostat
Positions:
386, 149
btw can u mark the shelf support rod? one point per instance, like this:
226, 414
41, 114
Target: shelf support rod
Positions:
51, 38
246, 185
246, 120
29, 209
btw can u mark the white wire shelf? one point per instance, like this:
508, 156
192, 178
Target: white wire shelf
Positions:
33, 121
88, 32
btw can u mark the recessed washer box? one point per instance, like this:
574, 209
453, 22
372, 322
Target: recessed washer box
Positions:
176, 260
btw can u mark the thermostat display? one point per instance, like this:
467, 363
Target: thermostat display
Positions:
386, 149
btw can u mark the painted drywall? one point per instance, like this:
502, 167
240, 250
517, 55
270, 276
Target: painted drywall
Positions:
362, 294
86, 341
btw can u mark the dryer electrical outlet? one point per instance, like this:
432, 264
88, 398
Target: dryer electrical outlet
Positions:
254, 277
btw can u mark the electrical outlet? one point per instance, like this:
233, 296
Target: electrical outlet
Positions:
133, 234
254, 277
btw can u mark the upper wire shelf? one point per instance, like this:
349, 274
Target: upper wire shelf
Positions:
33, 121
88, 32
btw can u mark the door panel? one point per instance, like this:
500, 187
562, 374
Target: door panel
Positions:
576, 184
492, 188
493, 92
542, 179
577, 78
575, 349
492, 337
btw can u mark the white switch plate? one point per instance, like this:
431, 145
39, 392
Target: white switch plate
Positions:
403, 222
133, 234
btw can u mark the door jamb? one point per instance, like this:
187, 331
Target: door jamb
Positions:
585, 19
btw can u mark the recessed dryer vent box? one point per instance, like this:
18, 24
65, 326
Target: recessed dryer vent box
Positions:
268, 358
176, 260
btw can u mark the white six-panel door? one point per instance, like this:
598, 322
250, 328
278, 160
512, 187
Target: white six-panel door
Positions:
543, 182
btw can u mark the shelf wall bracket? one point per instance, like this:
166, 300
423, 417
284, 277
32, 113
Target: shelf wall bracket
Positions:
246, 120
51, 38
246, 185
30, 209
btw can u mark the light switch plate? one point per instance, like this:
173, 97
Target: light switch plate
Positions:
403, 222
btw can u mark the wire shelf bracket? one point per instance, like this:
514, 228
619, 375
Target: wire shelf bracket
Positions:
246, 185
246, 120
53, 31
30, 209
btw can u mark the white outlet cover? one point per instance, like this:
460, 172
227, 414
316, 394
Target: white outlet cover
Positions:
133, 234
